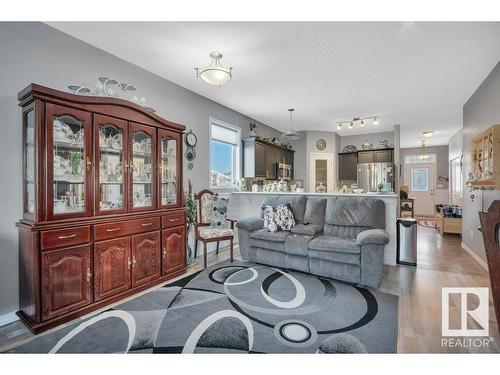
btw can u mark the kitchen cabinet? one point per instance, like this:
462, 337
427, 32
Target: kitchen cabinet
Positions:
348, 164
260, 158
100, 177
376, 156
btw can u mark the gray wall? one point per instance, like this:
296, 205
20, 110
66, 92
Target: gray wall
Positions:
456, 145
442, 164
307, 145
34, 52
359, 139
479, 112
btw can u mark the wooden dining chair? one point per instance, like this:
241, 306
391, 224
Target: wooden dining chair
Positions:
490, 224
202, 229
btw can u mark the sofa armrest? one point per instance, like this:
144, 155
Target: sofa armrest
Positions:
372, 236
250, 224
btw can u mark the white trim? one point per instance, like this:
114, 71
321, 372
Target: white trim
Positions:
474, 256
8, 318
313, 156
236, 163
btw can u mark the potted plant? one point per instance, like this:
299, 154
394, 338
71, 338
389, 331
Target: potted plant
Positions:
191, 213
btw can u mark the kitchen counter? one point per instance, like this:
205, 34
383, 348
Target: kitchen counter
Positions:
247, 203
372, 195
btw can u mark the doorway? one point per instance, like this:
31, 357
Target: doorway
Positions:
421, 181
321, 172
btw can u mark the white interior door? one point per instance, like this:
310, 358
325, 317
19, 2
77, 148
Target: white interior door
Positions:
421, 181
321, 171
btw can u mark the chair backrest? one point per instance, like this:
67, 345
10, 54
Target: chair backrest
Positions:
205, 201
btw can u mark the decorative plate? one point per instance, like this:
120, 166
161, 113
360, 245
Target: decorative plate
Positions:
321, 144
350, 148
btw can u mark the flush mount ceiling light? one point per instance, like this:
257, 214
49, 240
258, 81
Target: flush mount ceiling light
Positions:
215, 73
290, 135
427, 133
356, 120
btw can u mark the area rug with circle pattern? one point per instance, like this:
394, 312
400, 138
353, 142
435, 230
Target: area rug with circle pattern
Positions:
237, 307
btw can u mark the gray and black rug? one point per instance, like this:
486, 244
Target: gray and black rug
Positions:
237, 308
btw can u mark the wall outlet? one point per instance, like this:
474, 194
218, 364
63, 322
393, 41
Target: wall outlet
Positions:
471, 234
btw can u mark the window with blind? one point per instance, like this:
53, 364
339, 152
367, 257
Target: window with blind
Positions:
224, 154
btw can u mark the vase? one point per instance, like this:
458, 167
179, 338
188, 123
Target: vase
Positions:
189, 251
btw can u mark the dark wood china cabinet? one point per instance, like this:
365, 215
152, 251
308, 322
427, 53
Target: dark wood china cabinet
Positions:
102, 204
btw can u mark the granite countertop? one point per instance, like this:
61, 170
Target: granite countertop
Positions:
378, 195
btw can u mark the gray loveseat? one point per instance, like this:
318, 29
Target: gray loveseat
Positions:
340, 237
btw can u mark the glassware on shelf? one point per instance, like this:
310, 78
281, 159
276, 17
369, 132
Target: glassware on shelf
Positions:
111, 167
141, 165
68, 165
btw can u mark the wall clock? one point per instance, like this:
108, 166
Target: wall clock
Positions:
191, 140
321, 144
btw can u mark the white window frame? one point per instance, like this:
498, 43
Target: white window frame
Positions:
236, 157
415, 159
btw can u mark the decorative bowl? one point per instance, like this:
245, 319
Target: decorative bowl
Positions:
357, 191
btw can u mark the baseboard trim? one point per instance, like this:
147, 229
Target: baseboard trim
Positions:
8, 318
474, 256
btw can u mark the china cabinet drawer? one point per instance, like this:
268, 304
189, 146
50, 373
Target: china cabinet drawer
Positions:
123, 228
52, 239
173, 220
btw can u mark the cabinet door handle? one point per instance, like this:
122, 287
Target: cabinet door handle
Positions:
146, 224
112, 229
89, 274
129, 262
164, 252
66, 237
134, 262
88, 164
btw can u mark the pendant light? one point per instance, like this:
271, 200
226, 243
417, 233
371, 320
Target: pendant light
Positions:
215, 73
290, 135
423, 154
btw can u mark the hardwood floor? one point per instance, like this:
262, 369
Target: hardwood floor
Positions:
440, 263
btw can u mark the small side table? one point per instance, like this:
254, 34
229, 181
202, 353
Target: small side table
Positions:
406, 205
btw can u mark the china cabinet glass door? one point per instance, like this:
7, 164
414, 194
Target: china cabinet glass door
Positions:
142, 167
69, 162
29, 162
168, 153
111, 165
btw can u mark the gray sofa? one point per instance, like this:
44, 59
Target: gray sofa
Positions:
340, 237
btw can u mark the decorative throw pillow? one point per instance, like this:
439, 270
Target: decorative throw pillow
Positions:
269, 219
285, 217
278, 218
219, 212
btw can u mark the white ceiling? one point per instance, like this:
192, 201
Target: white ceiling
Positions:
417, 75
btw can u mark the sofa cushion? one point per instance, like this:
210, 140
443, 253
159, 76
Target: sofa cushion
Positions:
336, 256
298, 204
315, 211
263, 234
309, 229
330, 243
356, 212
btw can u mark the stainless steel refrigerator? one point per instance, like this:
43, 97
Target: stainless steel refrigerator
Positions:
371, 174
